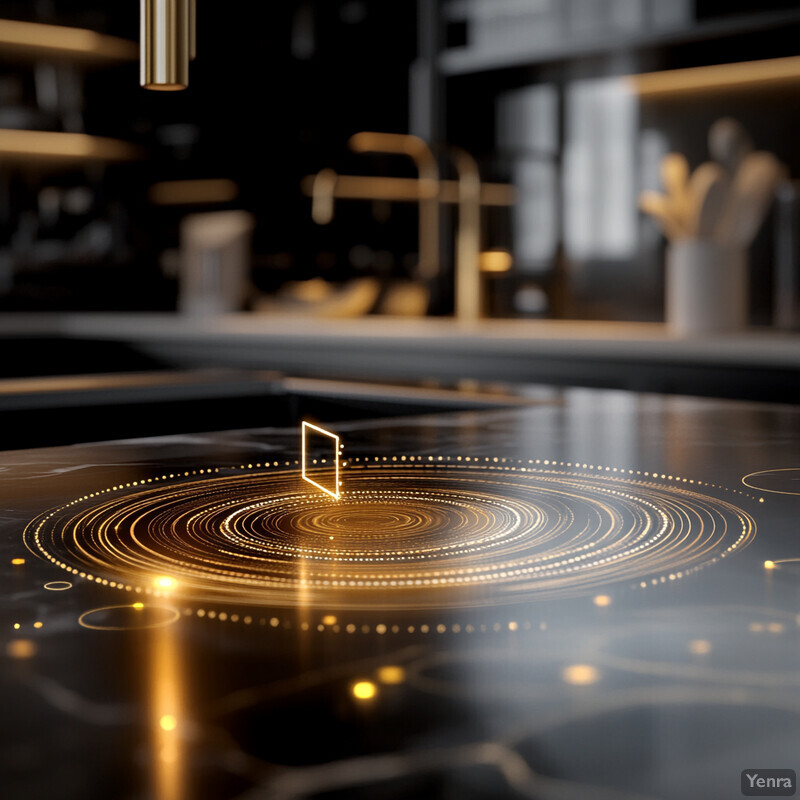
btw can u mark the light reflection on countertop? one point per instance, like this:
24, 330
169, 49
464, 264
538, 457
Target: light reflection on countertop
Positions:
667, 691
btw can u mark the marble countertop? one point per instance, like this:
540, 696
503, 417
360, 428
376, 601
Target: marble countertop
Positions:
590, 353
642, 650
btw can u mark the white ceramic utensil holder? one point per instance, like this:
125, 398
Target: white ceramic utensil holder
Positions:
706, 287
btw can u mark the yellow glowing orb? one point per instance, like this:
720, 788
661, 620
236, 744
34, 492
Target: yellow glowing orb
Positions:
602, 601
775, 627
364, 690
700, 647
391, 675
168, 722
138, 606
329, 619
164, 582
580, 675
769, 565
21, 648
17, 561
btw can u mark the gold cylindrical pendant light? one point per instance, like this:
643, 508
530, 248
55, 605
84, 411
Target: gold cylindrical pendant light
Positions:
166, 40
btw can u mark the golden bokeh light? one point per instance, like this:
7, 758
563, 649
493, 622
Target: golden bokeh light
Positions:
700, 647
364, 690
168, 722
776, 627
602, 601
580, 675
21, 649
17, 561
391, 675
496, 261
770, 565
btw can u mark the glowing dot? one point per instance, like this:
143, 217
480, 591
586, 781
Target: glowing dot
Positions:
17, 561
364, 690
769, 565
168, 722
164, 582
16, 626
140, 606
775, 627
37, 624
580, 675
700, 647
329, 620
602, 601
512, 626
21, 649
391, 675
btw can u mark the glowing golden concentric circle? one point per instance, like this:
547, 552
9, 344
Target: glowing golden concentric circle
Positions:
406, 533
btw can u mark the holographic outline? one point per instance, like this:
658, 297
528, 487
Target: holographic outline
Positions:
335, 494
762, 472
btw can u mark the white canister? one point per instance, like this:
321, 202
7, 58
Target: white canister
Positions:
215, 262
706, 287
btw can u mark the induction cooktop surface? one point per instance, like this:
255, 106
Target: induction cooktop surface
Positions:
595, 595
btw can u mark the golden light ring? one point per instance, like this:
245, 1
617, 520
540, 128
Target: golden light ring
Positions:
426, 534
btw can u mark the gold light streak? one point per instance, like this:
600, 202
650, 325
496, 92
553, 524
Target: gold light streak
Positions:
411, 532
17, 562
717, 76
22, 144
166, 687
193, 192
39, 39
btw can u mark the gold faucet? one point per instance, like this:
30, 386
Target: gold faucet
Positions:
468, 240
428, 186
429, 191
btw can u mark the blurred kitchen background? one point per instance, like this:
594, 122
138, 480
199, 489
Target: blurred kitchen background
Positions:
224, 222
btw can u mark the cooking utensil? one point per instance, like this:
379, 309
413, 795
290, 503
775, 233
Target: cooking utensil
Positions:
751, 193
675, 179
708, 189
663, 211
729, 144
